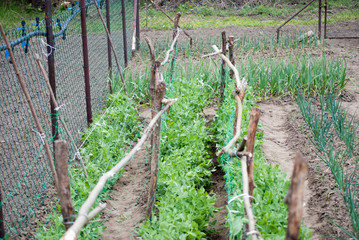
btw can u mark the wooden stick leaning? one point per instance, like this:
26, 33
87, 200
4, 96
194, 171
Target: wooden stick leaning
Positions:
171, 48
239, 95
37, 58
83, 214
113, 49
161, 10
31, 106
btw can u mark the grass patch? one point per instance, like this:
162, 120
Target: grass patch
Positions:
156, 20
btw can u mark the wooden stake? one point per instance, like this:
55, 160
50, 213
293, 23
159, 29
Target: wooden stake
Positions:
2, 220
231, 54
223, 68
252, 129
37, 58
31, 106
61, 158
113, 49
160, 9
158, 90
84, 215
294, 199
251, 222
175, 29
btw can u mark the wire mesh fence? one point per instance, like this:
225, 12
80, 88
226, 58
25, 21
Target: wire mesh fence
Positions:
24, 171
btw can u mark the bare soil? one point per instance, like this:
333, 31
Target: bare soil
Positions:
127, 205
217, 188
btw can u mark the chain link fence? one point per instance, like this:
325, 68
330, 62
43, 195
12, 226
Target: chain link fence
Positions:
24, 172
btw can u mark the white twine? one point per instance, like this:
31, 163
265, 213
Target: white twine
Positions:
42, 136
58, 108
98, 122
240, 195
44, 46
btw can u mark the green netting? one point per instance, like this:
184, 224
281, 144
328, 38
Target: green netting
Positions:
25, 177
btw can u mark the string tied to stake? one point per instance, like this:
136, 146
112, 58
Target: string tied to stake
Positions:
44, 46
240, 195
41, 135
59, 107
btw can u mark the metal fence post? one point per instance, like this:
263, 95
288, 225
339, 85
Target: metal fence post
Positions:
124, 32
319, 19
138, 26
109, 56
51, 64
325, 18
86, 61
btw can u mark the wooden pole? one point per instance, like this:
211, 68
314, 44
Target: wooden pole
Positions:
175, 29
61, 158
2, 220
231, 54
112, 46
31, 106
109, 56
158, 90
161, 10
251, 222
295, 196
84, 215
223, 69
252, 129
52, 95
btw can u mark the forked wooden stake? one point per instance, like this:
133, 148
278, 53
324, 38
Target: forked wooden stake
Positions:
61, 159
295, 196
158, 90
31, 106
113, 49
47, 82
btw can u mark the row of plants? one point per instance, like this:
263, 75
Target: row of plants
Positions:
272, 185
281, 76
334, 135
106, 140
183, 206
243, 44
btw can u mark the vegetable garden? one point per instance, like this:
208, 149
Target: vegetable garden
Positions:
185, 111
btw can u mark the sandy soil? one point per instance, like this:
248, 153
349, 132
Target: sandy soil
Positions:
282, 123
127, 205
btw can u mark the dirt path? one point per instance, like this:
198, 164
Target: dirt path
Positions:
217, 188
128, 201
274, 118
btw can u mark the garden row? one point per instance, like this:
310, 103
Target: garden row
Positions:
183, 207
